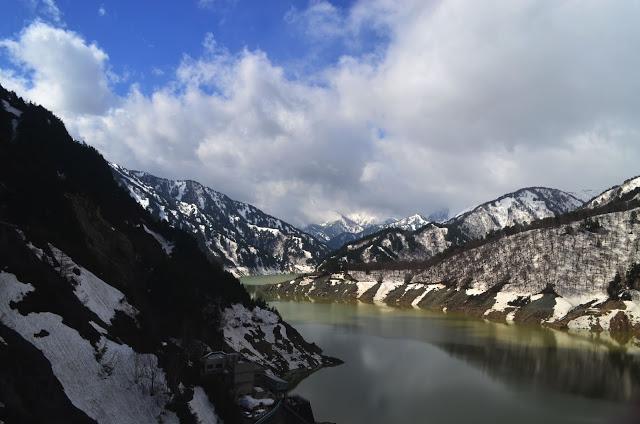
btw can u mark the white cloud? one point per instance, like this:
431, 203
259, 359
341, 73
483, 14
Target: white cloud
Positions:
65, 73
102, 11
464, 102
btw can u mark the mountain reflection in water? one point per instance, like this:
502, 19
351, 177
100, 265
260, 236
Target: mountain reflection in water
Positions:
467, 371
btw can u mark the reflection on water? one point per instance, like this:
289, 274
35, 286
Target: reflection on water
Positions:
410, 366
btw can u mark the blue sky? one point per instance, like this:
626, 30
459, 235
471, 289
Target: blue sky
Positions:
146, 40
310, 109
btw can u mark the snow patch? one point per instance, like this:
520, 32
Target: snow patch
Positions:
429, 288
101, 298
560, 309
202, 408
166, 245
249, 402
11, 109
385, 288
106, 388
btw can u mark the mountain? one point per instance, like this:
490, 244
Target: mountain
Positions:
242, 237
342, 230
578, 271
331, 229
628, 190
105, 310
398, 244
519, 207
410, 223
346, 229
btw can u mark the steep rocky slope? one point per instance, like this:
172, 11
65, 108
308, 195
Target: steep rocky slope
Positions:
242, 237
104, 310
397, 244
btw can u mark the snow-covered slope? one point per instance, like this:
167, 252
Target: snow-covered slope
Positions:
242, 237
629, 190
520, 207
393, 244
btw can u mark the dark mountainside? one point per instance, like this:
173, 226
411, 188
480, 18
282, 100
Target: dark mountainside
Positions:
71, 232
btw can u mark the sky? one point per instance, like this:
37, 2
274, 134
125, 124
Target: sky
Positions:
308, 109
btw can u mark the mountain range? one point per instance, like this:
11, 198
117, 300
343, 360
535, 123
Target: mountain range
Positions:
246, 240
405, 244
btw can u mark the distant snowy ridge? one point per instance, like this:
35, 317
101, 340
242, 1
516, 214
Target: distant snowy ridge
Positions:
410, 244
242, 237
345, 229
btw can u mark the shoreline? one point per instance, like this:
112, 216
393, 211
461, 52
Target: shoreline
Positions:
598, 318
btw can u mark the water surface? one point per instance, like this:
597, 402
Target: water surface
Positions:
411, 366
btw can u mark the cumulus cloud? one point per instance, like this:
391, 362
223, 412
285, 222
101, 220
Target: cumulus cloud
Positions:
464, 102
59, 69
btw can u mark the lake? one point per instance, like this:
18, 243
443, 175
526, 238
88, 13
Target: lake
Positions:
412, 366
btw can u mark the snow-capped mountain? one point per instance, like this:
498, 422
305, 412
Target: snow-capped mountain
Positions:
519, 207
245, 239
410, 223
344, 224
104, 310
393, 244
628, 190
345, 229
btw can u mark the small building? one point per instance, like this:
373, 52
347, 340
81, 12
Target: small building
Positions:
217, 362
239, 375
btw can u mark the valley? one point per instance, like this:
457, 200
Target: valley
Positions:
319, 212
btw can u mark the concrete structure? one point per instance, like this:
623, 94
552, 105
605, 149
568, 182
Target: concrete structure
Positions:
239, 375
